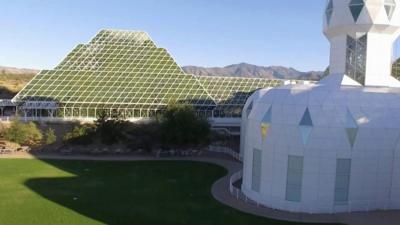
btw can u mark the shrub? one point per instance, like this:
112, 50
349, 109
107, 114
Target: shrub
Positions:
50, 136
22, 133
111, 130
143, 136
79, 135
180, 127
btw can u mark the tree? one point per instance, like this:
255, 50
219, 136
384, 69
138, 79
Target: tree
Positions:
79, 135
110, 129
180, 127
21, 133
50, 136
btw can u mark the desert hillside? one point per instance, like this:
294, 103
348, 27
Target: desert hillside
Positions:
249, 70
13, 80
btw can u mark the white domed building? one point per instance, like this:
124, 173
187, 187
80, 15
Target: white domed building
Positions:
332, 146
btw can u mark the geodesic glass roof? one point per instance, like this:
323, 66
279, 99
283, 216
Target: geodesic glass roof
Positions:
119, 69
234, 91
126, 70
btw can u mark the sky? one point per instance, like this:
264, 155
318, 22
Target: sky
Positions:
40, 33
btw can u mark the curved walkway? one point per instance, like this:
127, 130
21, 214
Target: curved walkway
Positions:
220, 191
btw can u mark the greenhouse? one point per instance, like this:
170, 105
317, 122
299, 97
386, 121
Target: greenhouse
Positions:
123, 73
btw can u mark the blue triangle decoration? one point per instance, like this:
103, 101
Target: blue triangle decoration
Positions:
305, 133
352, 135
268, 116
356, 6
351, 128
306, 126
350, 121
306, 120
266, 122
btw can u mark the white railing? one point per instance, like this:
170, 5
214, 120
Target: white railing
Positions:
346, 208
237, 192
225, 150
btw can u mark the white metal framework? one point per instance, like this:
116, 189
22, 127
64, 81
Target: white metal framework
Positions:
124, 73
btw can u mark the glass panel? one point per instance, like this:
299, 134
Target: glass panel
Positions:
248, 111
356, 6
256, 172
356, 58
342, 183
306, 119
124, 67
294, 178
390, 6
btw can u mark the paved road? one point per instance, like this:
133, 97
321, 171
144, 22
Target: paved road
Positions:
220, 191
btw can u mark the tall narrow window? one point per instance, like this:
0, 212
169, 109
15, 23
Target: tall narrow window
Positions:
342, 183
249, 108
256, 173
294, 178
356, 58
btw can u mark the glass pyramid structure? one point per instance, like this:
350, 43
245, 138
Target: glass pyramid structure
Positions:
124, 73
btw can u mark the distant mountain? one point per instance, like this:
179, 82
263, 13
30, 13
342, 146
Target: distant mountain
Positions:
249, 70
17, 71
12, 80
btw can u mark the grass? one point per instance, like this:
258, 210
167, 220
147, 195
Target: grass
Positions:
136, 193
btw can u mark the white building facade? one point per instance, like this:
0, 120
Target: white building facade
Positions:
333, 146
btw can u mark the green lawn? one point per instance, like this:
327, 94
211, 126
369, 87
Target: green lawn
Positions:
38, 192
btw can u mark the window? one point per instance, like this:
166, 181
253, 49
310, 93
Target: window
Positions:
356, 58
329, 11
390, 6
356, 6
266, 123
249, 108
294, 178
256, 173
342, 183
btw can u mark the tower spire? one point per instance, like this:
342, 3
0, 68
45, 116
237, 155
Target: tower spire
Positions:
362, 34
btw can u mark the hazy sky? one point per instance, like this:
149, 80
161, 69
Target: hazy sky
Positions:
39, 33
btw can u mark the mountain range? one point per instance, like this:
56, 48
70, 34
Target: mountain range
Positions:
249, 70
235, 70
16, 71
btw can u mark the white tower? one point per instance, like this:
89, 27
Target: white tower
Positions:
362, 34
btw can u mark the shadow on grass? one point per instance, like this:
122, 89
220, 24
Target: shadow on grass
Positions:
143, 193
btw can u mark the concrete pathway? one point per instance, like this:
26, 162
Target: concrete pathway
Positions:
220, 191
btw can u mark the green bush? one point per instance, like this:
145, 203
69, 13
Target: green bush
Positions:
144, 136
23, 133
180, 127
79, 135
50, 136
110, 130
